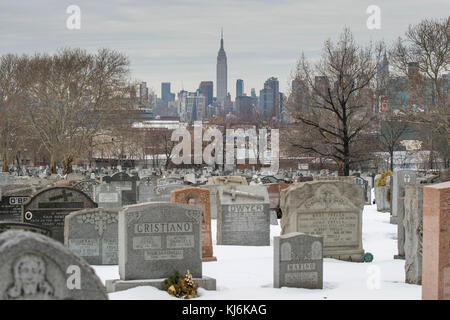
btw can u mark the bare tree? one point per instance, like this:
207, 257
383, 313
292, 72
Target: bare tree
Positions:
335, 100
426, 47
12, 125
393, 129
71, 97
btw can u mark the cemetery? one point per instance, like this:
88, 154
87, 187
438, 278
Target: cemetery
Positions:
236, 150
133, 236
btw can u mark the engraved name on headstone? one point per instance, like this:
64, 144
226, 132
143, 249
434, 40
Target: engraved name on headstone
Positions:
298, 261
157, 239
243, 216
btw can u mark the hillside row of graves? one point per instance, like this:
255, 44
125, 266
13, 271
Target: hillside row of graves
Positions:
152, 225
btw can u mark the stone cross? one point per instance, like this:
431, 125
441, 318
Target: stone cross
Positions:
234, 193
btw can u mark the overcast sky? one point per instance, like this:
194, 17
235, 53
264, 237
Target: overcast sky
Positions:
177, 40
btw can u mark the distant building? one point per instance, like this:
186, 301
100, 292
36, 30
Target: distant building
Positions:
193, 107
239, 88
383, 74
322, 84
269, 99
222, 76
254, 96
245, 108
143, 92
166, 95
206, 89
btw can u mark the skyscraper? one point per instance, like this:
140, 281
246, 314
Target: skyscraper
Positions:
143, 92
206, 89
192, 107
269, 99
222, 89
239, 88
383, 73
245, 108
166, 95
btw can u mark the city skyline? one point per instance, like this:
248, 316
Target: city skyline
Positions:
176, 41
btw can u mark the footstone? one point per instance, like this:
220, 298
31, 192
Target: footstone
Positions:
51, 271
298, 261
329, 208
93, 235
48, 207
243, 216
157, 239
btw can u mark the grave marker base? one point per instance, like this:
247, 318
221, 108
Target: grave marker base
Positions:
205, 282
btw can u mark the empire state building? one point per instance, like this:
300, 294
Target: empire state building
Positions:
221, 74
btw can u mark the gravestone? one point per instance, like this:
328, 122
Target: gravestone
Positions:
243, 216
269, 179
274, 190
5, 178
47, 208
10, 225
398, 181
75, 177
365, 185
347, 179
198, 197
273, 218
298, 261
401, 179
11, 203
212, 199
436, 242
147, 188
167, 181
127, 184
227, 181
413, 223
108, 196
87, 186
36, 267
93, 235
331, 208
162, 192
381, 197
157, 239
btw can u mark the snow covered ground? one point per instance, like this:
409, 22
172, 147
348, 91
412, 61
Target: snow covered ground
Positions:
247, 272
